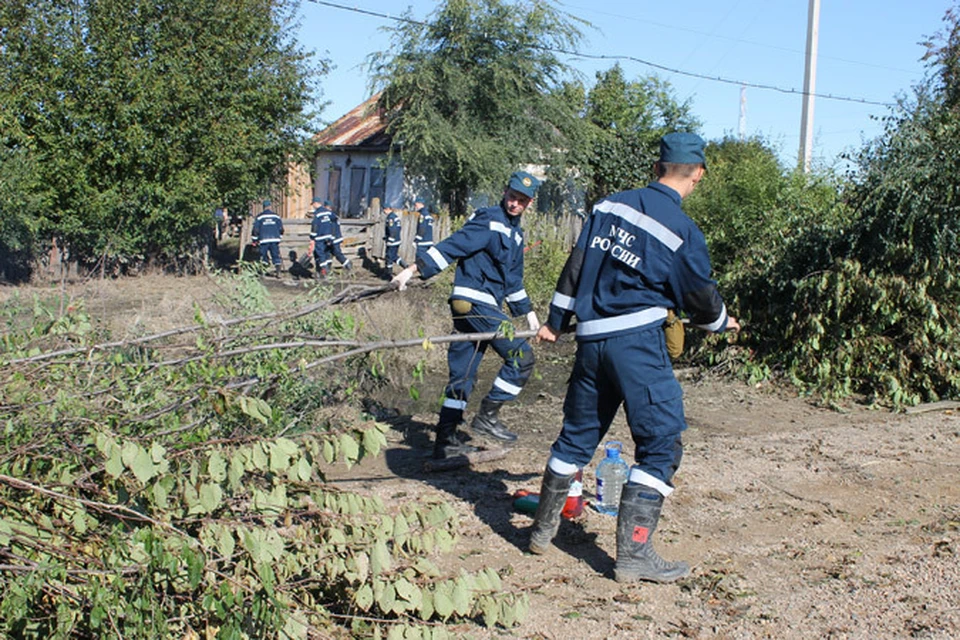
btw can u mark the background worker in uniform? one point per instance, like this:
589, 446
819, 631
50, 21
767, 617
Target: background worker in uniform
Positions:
391, 241
321, 237
637, 256
266, 234
336, 244
488, 252
424, 237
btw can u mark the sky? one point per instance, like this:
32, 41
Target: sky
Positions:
869, 52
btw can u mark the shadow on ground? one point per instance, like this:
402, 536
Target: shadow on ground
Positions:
486, 487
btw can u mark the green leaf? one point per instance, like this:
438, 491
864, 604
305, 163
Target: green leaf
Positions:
143, 466
114, 466
491, 611
160, 495
349, 449
379, 558
304, 470
364, 597
211, 496
217, 466
157, 453
387, 599
409, 592
442, 602
79, 520
371, 441
237, 469
461, 597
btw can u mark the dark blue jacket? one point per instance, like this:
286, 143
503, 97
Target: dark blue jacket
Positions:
335, 228
321, 229
267, 228
638, 255
424, 236
488, 250
391, 230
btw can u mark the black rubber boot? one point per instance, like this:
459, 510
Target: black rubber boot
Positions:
487, 422
553, 495
637, 521
449, 443
276, 270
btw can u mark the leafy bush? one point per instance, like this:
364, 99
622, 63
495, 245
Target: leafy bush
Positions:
174, 485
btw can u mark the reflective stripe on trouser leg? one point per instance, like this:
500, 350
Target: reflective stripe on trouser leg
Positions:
518, 362
321, 257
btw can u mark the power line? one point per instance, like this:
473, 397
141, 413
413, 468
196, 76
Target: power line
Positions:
754, 43
654, 65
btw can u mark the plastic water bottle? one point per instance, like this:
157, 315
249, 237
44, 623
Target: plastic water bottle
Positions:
611, 474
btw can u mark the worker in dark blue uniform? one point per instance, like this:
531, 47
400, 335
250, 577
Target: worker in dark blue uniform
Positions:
391, 240
321, 238
488, 252
336, 244
424, 237
266, 234
637, 256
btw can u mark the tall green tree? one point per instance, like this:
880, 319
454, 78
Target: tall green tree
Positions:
138, 116
471, 94
626, 120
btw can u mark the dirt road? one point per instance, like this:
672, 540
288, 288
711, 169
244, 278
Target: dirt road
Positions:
800, 522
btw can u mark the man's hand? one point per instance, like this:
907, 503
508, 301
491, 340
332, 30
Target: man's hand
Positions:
547, 333
732, 324
313, 244
532, 321
402, 278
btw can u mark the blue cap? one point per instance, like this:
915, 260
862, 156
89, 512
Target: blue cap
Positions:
316, 201
266, 203
523, 182
682, 148
326, 203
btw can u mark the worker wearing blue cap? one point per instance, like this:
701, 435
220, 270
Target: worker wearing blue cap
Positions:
266, 233
424, 237
321, 237
488, 253
336, 244
637, 256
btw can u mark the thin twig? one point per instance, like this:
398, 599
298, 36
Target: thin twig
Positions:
116, 509
289, 315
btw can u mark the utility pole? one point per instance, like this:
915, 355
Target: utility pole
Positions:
743, 113
809, 85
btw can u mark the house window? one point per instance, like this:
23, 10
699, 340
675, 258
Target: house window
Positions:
378, 187
358, 200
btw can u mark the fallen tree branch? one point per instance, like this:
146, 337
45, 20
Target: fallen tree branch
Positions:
465, 460
943, 405
118, 510
343, 297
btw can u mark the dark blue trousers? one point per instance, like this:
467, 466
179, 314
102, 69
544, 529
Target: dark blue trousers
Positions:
270, 252
463, 359
632, 370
